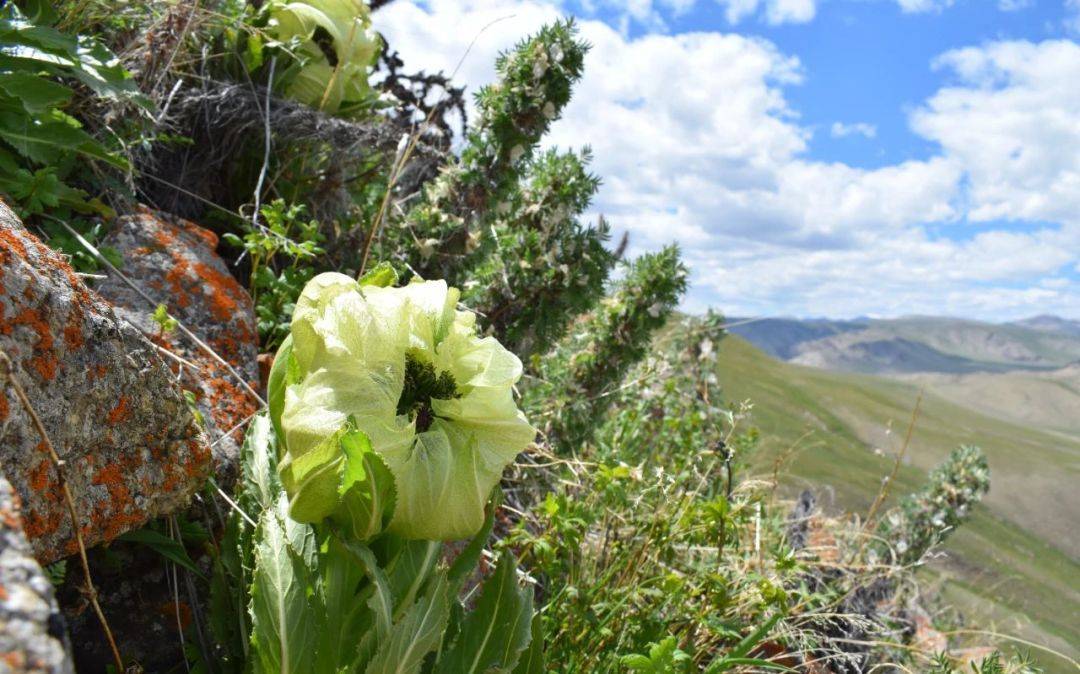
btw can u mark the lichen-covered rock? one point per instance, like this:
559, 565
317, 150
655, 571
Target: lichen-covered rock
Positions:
131, 445
173, 262
32, 635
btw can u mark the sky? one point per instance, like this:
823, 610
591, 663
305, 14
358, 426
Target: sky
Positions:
834, 158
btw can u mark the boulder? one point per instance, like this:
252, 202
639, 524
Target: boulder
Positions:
131, 445
31, 629
173, 262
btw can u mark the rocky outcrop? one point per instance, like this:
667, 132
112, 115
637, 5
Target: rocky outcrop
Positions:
31, 630
131, 446
172, 262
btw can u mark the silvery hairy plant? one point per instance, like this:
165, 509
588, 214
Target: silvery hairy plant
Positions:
593, 360
545, 267
439, 237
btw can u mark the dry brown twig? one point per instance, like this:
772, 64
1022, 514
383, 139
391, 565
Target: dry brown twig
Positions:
7, 374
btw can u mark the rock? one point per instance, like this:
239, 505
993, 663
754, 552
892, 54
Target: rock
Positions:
174, 263
145, 608
32, 635
131, 446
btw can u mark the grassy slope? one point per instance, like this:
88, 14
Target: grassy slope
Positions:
1050, 400
1000, 567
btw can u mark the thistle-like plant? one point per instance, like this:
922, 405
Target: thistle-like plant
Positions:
603, 348
545, 267
926, 518
439, 236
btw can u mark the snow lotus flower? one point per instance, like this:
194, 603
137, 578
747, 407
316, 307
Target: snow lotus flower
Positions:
406, 368
332, 74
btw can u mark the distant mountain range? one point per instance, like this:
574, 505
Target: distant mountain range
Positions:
918, 344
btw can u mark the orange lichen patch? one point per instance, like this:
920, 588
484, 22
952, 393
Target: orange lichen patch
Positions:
39, 475
222, 291
14, 659
73, 334
118, 513
200, 458
121, 412
38, 524
4, 409
44, 362
205, 235
13, 242
11, 519
229, 402
3, 593
171, 610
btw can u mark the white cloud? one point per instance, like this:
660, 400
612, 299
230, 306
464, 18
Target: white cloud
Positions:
1072, 16
696, 143
1014, 5
917, 6
1013, 121
775, 11
842, 130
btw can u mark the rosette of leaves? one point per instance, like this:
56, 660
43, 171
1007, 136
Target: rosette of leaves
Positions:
612, 339
333, 47
393, 377
535, 84
546, 268
926, 518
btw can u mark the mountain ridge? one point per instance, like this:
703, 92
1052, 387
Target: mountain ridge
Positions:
917, 344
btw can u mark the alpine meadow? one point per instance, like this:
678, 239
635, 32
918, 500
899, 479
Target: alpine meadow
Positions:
321, 354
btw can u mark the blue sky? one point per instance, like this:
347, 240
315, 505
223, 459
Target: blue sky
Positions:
819, 157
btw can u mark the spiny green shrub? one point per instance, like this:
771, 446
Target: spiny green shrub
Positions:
581, 378
926, 518
439, 235
544, 267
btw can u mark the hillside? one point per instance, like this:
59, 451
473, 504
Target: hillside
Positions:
1014, 564
918, 344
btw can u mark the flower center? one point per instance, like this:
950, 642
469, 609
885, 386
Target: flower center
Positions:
422, 385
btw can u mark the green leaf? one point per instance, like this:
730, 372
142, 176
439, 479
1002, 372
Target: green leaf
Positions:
414, 636
366, 490
381, 276
35, 93
260, 485
532, 660
313, 479
409, 569
497, 630
282, 613
466, 561
278, 381
45, 139
170, 548
382, 600
737, 656
340, 578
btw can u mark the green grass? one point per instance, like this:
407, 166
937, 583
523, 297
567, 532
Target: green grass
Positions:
1014, 564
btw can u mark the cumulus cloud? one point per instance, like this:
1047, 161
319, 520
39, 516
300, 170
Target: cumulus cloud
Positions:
774, 12
696, 143
1072, 16
916, 6
842, 130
